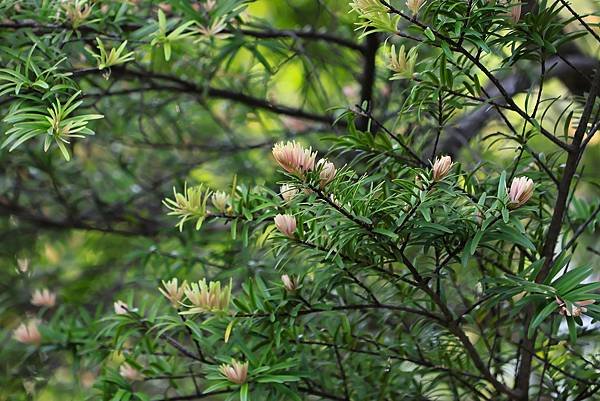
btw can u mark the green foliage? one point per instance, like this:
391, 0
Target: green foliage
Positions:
374, 17
372, 268
161, 38
37, 110
56, 124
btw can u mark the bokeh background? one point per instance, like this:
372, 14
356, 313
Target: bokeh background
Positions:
94, 229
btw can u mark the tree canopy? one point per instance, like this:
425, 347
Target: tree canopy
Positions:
299, 200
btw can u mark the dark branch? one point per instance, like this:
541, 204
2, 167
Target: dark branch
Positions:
217, 93
571, 70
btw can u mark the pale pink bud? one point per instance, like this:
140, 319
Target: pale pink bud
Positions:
220, 201
236, 372
441, 167
578, 308
23, 265
173, 292
28, 333
121, 307
515, 13
43, 298
352, 92
327, 173
294, 158
130, 373
166, 7
521, 190
289, 283
286, 224
209, 4
414, 5
294, 124
87, 379
288, 192
29, 386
